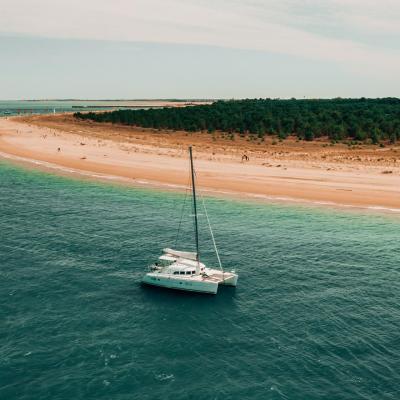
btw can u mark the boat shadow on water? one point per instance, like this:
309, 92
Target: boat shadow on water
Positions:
155, 293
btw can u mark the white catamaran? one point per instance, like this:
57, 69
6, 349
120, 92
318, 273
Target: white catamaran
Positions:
182, 270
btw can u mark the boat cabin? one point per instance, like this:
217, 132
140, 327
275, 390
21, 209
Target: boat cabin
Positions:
178, 266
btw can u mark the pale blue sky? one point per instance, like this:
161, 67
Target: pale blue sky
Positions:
199, 48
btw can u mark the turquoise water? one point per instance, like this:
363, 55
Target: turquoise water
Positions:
315, 316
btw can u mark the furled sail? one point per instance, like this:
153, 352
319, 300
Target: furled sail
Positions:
182, 254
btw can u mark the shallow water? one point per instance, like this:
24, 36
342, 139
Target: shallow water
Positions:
315, 315
21, 107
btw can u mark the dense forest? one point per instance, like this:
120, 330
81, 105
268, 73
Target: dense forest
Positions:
362, 119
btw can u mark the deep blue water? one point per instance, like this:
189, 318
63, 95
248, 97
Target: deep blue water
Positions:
316, 313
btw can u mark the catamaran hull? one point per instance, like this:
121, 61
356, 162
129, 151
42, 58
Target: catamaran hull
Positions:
223, 278
181, 284
230, 280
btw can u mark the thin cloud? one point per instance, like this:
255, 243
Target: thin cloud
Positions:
290, 27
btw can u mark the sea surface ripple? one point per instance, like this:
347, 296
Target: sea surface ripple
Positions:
315, 315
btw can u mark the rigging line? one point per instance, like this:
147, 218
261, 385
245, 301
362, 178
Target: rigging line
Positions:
211, 232
182, 211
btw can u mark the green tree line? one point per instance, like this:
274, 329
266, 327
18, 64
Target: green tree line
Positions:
338, 119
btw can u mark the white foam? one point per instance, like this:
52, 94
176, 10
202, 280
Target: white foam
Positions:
323, 203
165, 377
144, 182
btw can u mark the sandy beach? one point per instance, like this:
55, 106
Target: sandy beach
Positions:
291, 170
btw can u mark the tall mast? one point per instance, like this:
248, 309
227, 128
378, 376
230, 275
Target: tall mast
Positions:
194, 204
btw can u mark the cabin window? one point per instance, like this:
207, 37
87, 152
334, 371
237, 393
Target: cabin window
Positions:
176, 272
182, 272
188, 272
164, 263
193, 272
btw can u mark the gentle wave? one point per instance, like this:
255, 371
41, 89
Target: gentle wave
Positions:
315, 313
151, 183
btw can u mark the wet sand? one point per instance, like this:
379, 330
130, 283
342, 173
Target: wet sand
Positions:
360, 176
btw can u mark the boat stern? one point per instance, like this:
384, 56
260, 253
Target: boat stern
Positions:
229, 279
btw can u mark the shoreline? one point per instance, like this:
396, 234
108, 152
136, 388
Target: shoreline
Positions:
113, 158
71, 173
